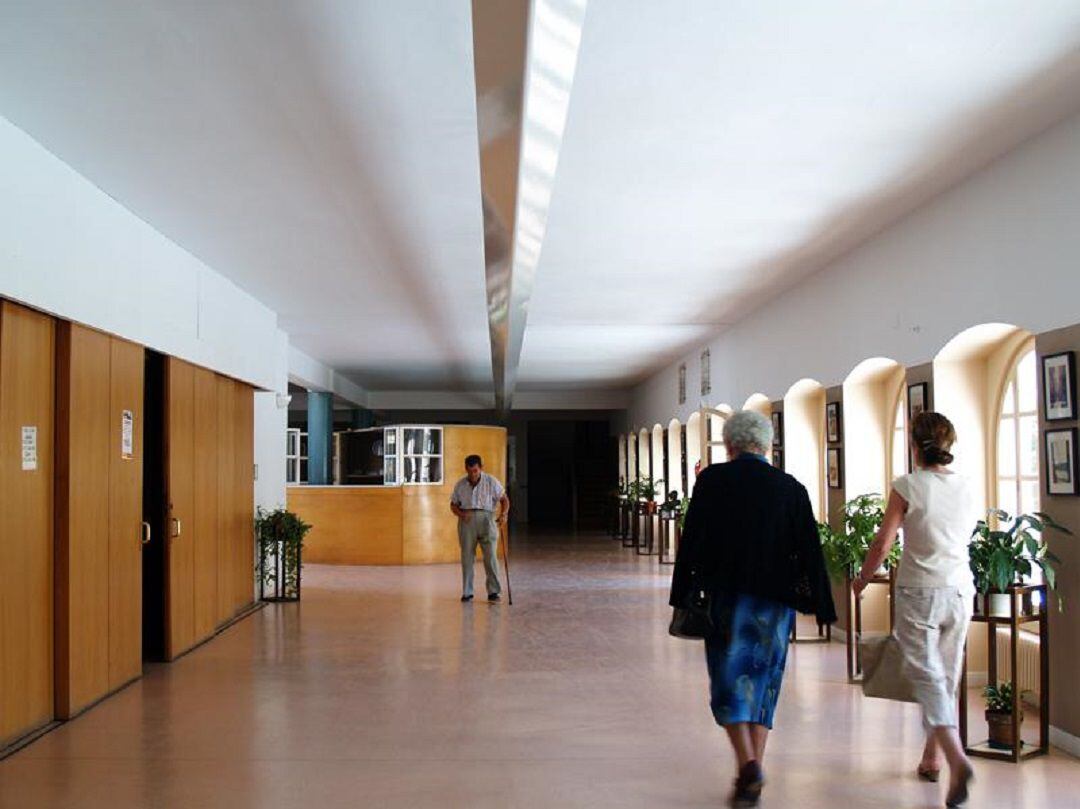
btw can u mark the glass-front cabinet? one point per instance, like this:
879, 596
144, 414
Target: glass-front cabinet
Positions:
389, 456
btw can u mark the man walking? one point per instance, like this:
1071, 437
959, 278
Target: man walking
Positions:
476, 499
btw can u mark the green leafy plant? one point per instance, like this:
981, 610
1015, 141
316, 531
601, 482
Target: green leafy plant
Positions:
633, 489
649, 489
684, 506
280, 535
1000, 697
1004, 550
845, 551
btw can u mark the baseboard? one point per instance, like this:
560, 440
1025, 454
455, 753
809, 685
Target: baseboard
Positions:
1065, 741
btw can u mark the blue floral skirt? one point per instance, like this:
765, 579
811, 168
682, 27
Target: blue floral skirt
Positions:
746, 657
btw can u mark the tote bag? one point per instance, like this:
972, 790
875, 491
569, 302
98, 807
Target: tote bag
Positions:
883, 670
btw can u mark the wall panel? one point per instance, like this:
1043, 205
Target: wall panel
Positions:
205, 521
180, 476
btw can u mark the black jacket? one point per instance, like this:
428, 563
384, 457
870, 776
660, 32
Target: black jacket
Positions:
750, 529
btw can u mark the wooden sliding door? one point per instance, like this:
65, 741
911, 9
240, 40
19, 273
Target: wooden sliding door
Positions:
210, 486
180, 517
26, 532
98, 635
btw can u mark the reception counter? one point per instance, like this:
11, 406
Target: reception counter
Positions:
407, 524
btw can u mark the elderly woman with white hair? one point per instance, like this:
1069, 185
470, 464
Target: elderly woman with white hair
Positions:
751, 542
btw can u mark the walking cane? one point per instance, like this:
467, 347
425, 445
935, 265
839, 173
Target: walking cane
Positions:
506, 563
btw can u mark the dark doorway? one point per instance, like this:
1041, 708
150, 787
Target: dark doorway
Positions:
571, 471
154, 508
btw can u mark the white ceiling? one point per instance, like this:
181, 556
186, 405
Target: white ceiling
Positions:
321, 154
324, 156
715, 153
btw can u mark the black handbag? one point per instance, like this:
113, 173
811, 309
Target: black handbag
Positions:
693, 620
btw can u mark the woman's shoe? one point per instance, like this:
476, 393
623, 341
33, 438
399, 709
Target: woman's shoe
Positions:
931, 774
748, 786
959, 794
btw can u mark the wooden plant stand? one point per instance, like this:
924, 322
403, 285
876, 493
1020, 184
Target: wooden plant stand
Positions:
1021, 597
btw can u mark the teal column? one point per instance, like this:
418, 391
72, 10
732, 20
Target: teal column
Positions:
320, 423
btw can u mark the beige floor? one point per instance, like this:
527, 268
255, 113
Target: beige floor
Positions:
381, 690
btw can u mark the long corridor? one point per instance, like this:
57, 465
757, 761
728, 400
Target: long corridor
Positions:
382, 690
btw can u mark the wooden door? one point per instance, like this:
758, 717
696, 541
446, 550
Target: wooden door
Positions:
180, 484
244, 496
205, 521
26, 502
227, 517
82, 518
125, 511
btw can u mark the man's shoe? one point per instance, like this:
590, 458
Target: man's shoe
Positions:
466, 598
493, 597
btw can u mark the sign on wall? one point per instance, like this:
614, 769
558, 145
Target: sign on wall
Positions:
682, 383
127, 435
29, 449
706, 373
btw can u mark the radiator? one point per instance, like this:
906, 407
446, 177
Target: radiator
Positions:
1027, 663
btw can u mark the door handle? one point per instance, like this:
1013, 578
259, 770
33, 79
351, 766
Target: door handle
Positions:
146, 533
177, 527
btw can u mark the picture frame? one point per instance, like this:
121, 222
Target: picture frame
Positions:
833, 427
833, 466
918, 399
1062, 469
1059, 386
778, 428
778, 458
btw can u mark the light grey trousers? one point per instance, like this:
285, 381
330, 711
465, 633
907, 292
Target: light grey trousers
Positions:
931, 626
479, 527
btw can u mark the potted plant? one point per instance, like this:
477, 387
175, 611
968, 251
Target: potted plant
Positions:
845, 550
1004, 551
648, 490
684, 506
280, 535
999, 708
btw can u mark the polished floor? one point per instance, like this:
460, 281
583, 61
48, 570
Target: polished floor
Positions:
382, 690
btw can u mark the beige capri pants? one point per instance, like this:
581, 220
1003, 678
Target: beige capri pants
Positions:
931, 626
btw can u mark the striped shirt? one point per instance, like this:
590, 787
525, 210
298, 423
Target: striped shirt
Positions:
485, 495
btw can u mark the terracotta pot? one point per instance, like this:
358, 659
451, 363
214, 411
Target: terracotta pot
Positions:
1001, 730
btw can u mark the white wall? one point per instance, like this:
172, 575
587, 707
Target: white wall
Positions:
69, 249
1003, 246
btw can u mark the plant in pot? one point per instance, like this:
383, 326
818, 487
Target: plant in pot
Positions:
999, 708
1004, 550
845, 550
280, 535
649, 490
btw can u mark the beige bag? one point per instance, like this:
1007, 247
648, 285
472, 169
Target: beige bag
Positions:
883, 674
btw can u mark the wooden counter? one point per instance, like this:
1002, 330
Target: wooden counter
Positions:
394, 525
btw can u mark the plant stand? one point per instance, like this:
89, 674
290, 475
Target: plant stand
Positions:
670, 534
616, 522
279, 572
853, 619
824, 635
647, 543
626, 511
1022, 610
631, 537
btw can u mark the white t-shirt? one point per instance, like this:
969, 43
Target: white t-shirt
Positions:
937, 528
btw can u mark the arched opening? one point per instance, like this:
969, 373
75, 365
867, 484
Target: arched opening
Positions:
676, 464
659, 459
804, 439
693, 449
717, 417
644, 458
631, 458
971, 380
759, 403
624, 476
871, 393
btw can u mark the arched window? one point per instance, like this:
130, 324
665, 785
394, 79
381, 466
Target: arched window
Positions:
1018, 440
900, 451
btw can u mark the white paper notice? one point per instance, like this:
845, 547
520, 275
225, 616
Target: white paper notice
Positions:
127, 435
29, 449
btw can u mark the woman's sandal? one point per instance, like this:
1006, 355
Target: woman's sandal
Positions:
959, 795
748, 786
928, 774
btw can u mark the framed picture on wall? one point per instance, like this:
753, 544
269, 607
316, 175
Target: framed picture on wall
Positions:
1059, 386
778, 457
836, 479
832, 422
917, 399
1061, 466
778, 429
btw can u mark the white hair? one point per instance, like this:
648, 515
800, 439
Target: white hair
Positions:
748, 431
